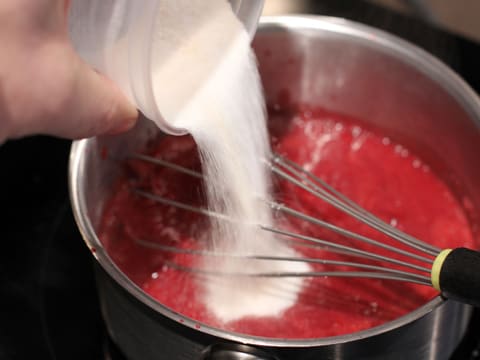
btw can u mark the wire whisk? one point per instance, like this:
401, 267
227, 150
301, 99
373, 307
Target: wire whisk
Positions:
453, 272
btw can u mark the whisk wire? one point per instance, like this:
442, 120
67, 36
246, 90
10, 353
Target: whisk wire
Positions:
167, 164
323, 243
181, 205
326, 274
323, 190
380, 270
345, 232
346, 249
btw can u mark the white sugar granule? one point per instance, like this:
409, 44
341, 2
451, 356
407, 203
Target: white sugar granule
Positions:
206, 81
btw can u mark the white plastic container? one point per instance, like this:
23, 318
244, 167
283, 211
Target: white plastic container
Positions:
115, 37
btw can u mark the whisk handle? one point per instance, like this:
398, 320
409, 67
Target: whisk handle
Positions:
456, 273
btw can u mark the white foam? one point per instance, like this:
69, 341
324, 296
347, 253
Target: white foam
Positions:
206, 81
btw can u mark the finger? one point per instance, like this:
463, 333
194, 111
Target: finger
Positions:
61, 95
96, 106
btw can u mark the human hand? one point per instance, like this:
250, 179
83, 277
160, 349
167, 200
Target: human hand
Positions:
45, 88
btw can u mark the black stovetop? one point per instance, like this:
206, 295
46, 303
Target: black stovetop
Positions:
48, 302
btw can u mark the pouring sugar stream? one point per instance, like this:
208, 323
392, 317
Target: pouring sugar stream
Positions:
206, 82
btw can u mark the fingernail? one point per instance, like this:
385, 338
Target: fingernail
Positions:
124, 126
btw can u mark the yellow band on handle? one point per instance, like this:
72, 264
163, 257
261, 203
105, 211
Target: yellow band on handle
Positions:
437, 267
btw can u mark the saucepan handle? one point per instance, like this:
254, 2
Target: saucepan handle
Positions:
236, 352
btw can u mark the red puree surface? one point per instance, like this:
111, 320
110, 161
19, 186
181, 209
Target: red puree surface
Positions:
380, 175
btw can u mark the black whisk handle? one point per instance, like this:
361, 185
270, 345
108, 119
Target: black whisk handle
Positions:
456, 273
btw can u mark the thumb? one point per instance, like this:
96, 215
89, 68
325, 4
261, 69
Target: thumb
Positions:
95, 106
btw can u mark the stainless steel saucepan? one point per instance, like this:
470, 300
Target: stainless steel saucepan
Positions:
345, 67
